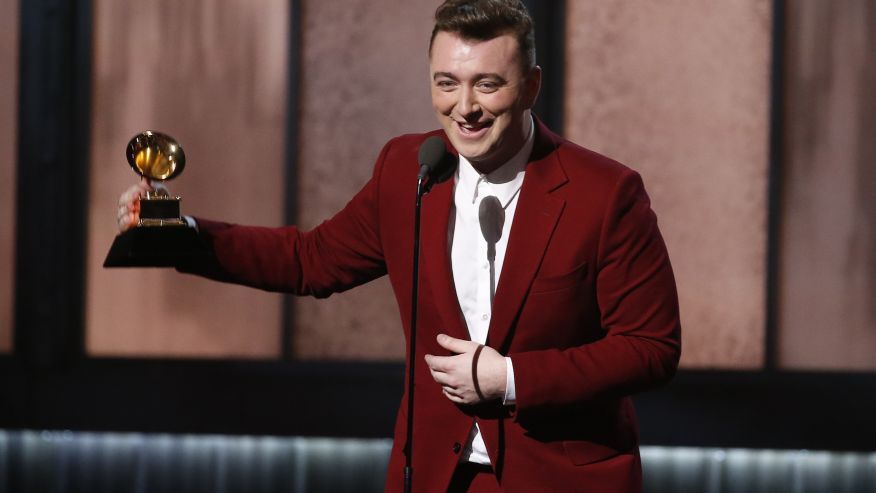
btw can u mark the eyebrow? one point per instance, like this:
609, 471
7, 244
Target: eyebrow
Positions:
443, 74
486, 75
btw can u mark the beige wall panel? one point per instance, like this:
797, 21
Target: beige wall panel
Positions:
680, 92
827, 316
364, 80
213, 74
8, 139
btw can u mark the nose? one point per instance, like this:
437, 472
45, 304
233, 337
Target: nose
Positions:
468, 106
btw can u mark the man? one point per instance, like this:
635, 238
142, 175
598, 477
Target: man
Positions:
570, 291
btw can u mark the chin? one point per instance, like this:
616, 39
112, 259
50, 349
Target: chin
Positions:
472, 150
473, 154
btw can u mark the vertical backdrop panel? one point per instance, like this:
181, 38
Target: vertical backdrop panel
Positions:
827, 284
679, 91
213, 74
8, 131
365, 79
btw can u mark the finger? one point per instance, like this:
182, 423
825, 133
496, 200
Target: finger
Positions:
127, 209
451, 392
126, 221
442, 379
130, 195
439, 363
455, 345
452, 396
460, 397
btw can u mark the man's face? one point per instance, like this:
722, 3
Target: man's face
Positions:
482, 96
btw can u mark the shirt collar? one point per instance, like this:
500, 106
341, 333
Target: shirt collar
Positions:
502, 182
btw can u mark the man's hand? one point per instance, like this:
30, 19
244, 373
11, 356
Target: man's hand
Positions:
128, 213
454, 373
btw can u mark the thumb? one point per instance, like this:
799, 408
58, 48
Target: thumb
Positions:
455, 345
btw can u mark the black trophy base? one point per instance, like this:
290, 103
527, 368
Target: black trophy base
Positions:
155, 246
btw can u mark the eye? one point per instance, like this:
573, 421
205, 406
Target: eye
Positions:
445, 84
488, 86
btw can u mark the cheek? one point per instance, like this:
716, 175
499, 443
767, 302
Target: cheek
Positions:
441, 102
498, 106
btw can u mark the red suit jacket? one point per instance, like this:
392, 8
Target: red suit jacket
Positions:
586, 308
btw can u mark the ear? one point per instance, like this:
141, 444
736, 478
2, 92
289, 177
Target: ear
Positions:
533, 86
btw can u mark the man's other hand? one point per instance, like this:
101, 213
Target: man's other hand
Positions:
128, 212
454, 373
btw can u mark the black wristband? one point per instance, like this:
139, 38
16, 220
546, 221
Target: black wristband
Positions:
474, 372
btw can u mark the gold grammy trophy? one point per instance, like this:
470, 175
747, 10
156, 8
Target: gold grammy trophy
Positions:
162, 238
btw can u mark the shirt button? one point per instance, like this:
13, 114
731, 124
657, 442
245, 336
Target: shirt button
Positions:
456, 447
484, 316
486, 266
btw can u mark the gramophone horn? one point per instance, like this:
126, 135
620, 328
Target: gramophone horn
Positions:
156, 156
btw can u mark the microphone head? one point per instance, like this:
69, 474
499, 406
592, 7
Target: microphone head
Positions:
491, 216
431, 152
434, 156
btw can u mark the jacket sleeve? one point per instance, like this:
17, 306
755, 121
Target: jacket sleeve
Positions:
638, 304
341, 253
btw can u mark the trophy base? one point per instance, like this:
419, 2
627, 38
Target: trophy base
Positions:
155, 246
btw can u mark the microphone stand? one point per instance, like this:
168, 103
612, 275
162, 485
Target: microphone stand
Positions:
412, 341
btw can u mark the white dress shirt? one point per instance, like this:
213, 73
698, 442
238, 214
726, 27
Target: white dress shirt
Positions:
474, 277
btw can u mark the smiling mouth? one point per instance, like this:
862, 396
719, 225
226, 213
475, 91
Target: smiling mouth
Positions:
473, 129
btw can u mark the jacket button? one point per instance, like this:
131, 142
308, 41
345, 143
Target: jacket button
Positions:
456, 447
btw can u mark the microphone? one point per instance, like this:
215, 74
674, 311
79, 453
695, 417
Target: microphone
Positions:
436, 164
491, 216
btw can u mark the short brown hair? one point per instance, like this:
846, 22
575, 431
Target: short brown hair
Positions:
482, 20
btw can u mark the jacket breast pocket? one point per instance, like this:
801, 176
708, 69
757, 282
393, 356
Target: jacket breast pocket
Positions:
545, 284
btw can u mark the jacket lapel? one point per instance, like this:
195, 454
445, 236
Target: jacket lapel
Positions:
534, 222
435, 253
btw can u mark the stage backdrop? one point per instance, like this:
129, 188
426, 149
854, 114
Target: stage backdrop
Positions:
827, 317
678, 91
364, 80
8, 135
213, 74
